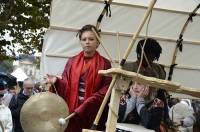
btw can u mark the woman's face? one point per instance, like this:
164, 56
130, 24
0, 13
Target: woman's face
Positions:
137, 88
89, 43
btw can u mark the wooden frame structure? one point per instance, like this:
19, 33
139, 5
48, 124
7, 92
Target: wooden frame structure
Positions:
122, 81
121, 84
122, 78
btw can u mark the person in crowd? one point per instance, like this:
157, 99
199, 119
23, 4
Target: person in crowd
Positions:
142, 104
182, 116
81, 86
37, 88
173, 101
6, 124
10, 92
196, 107
17, 102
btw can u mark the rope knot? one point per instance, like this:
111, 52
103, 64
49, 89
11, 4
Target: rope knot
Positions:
180, 44
107, 8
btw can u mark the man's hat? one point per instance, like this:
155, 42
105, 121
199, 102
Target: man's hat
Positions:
2, 84
9, 80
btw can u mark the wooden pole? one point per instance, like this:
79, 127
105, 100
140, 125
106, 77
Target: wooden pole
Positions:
101, 16
70, 116
152, 3
100, 41
179, 42
113, 108
96, 121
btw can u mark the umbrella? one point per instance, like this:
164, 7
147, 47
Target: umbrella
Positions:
8, 79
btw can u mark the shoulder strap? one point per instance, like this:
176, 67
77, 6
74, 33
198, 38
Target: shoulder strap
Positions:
1, 126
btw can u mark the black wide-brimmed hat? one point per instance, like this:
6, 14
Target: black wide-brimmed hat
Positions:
8, 79
2, 85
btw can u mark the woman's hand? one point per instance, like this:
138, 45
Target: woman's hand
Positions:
131, 91
158, 103
144, 92
51, 79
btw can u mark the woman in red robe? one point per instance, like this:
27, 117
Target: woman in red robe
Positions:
81, 86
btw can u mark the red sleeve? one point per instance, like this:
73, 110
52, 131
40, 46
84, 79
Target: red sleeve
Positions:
90, 107
61, 84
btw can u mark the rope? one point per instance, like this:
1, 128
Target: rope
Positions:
143, 53
119, 52
100, 41
132, 42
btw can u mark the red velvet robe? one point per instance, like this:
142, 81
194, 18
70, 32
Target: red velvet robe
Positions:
95, 90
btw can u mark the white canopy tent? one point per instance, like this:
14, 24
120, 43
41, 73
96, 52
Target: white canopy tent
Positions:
167, 20
19, 74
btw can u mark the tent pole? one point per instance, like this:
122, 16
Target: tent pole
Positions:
138, 32
103, 13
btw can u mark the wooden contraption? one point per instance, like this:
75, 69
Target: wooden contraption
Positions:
122, 79
121, 85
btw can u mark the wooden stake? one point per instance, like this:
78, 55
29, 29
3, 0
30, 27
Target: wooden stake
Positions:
138, 30
96, 121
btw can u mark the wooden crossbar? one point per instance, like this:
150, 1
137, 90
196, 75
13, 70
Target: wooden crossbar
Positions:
151, 81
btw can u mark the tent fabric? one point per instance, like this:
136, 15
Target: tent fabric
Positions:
167, 20
19, 74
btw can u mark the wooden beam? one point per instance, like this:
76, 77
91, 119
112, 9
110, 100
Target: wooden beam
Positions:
144, 7
113, 110
154, 82
72, 29
88, 130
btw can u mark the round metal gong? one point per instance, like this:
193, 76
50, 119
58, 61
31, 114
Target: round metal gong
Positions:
40, 113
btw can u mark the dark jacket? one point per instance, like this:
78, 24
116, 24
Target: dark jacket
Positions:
150, 118
15, 106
